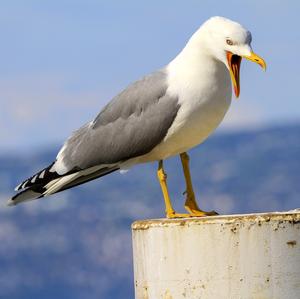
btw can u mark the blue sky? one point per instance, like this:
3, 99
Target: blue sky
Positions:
61, 61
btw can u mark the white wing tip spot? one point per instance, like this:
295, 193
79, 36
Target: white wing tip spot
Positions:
18, 187
34, 178
41, 176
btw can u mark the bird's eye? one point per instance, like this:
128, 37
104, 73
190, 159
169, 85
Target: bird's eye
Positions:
229, 42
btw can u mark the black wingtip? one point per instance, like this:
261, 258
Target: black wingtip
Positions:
41, 178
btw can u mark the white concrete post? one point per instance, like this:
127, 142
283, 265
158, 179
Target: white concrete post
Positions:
253, 256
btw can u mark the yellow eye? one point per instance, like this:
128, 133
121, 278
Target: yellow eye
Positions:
229, 42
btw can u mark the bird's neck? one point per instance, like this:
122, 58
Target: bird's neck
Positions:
196, 69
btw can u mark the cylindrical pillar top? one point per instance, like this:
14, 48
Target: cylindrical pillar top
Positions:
223, 257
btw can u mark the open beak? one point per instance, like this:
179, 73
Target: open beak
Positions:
234, 62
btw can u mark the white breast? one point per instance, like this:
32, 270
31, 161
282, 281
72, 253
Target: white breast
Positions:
204, 96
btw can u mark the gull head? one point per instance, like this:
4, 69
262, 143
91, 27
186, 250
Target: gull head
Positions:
229, 42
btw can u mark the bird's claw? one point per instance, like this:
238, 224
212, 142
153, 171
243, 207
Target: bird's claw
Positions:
178, 215
203, 213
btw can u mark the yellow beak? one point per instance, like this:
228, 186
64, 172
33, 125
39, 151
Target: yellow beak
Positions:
257, 59
234, 62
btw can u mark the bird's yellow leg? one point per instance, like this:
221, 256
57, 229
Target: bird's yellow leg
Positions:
162, 177
190, 203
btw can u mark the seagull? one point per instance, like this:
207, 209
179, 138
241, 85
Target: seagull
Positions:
163, 114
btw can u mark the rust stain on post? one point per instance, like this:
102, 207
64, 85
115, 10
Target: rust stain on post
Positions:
259, 218
292, 243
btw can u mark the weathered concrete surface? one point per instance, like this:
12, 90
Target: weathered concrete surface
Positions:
254, 256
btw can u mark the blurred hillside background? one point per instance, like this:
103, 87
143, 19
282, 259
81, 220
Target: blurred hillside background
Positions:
61, 61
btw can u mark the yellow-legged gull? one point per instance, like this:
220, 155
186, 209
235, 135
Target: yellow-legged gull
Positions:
163, 114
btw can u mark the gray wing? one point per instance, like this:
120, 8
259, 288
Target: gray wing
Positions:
132, 124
